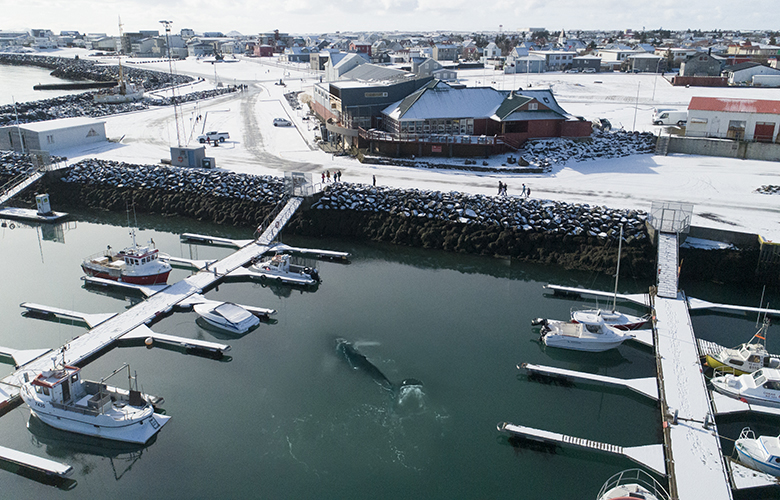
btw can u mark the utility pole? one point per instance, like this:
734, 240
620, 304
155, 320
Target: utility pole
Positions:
636, 105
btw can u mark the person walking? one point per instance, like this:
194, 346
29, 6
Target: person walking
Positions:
528, 192
327, 175
500, 186
323, 177
523, 193
374, 178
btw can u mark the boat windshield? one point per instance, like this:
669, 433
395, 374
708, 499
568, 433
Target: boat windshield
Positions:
759, 378
593, 328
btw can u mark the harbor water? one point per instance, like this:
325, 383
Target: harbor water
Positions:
286, 416
18, 81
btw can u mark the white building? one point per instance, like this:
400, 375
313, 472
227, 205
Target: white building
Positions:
744, 72
743, 119
54, 136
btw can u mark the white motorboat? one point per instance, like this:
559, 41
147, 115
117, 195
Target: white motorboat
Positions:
280, 268
761, 387
632, 484
61, 399
760, 453
745, 358
593, 337
227, 316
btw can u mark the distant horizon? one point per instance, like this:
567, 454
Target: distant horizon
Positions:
420, 16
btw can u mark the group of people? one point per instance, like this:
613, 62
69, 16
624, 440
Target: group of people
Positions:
336, 176
502, 190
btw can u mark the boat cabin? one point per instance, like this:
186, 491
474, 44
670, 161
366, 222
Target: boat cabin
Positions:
749, 357
139, 257
767, 380
60, 386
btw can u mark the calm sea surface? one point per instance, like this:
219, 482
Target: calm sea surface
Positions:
16, 84
284, 416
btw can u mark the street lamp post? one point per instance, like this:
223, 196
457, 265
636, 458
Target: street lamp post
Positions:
167, 25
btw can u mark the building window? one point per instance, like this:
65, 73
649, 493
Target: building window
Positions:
533, 106
49, 139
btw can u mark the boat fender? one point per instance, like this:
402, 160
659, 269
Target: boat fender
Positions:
538, 321
149, 342
12, 225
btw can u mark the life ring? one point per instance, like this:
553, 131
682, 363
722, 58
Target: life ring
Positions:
181, 159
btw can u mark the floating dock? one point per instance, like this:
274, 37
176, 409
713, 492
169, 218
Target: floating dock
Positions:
691, 455
28, 214
647, 387
131, 324
650, 456
36, 463
694, 455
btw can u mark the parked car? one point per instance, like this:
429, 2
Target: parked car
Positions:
281, 122
213, 137
588, 70
573, 70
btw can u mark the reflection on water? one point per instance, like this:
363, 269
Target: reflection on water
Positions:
69, 447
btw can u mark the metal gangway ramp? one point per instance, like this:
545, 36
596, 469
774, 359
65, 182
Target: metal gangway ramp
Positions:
695, 464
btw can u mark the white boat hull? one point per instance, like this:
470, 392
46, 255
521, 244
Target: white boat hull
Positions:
750, 455
103, 426
755, 397
242, 323
582, 336
573, 343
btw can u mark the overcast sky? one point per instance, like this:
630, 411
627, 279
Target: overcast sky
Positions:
311, 16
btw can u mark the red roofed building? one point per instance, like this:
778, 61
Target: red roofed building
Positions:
742, 119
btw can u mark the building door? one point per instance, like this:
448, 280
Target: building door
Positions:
764, 132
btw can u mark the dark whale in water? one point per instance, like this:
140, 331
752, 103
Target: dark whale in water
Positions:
358, 361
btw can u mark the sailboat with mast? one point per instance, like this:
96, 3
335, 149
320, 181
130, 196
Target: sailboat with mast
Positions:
613, 317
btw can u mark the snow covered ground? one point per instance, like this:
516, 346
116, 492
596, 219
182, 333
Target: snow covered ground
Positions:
722, 190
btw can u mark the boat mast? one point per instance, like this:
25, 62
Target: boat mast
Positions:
617, 270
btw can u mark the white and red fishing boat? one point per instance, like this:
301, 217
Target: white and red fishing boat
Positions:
136, 264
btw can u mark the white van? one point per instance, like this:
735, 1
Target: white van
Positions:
669, 117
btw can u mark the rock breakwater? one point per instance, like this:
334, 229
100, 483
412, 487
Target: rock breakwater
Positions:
82, 104
572, 235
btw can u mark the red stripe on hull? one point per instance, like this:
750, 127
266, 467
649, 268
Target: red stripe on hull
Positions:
152, 279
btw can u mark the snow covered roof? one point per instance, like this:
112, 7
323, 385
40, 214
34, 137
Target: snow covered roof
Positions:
734, 105
61, 123
741, 66
439, 100
374, 72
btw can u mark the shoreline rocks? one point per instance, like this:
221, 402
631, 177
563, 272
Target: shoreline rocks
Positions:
574, 236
